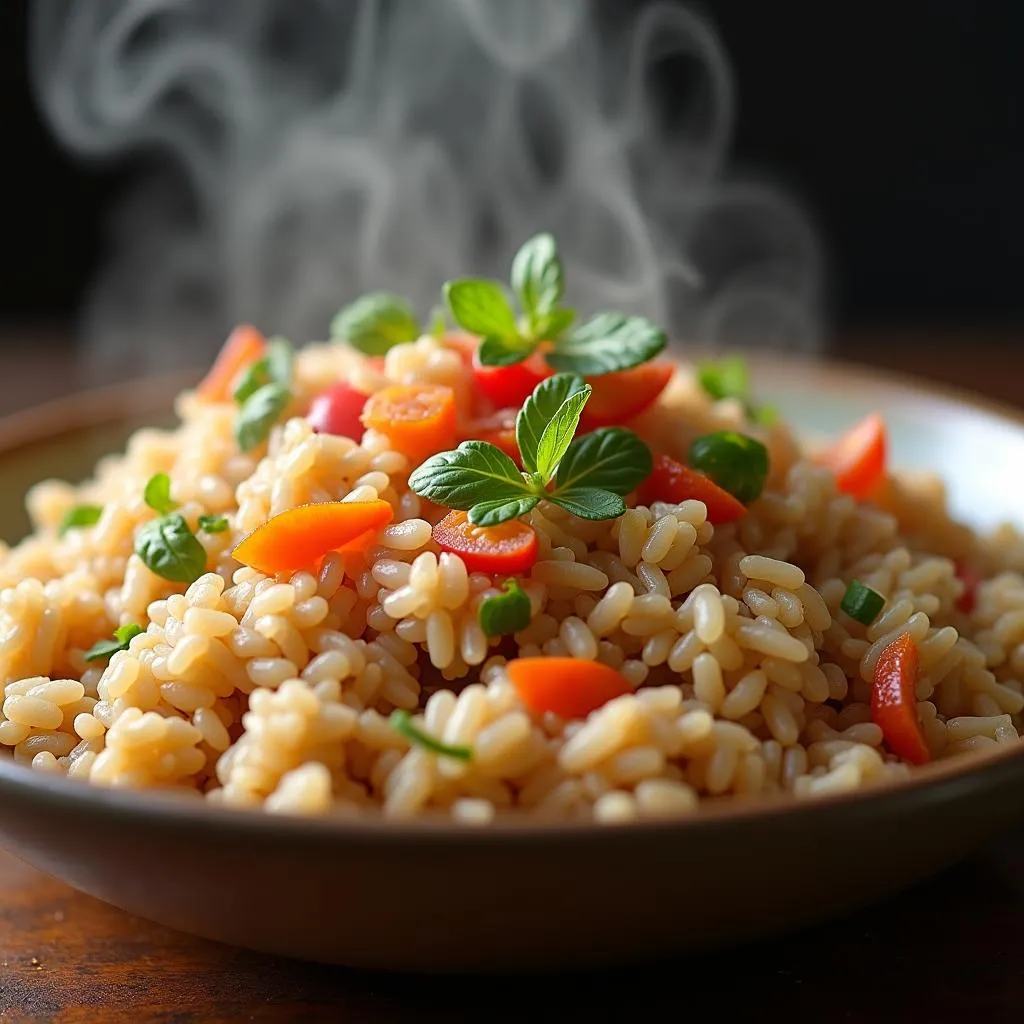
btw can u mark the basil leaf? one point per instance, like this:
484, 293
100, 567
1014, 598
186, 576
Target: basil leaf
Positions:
608, 342
375, 322
170, 549
611, 458
261, 411
537, 276
280, 360
104, 649
539, 409
551, 325
558, 434
727, 378
589, 502
501, 510
80, 515
213, 524
401, 721
737, 463
481, 307
157, 494
250, 380
476, 471
505, 613
495, 351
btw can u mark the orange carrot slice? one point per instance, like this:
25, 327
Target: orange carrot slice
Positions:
299, 537
569, 688
244, 346
894, 702
420, 419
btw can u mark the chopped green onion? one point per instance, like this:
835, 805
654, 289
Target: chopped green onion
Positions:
862, 603
505, 613
80, 515
104, 649
401, 721
736, 462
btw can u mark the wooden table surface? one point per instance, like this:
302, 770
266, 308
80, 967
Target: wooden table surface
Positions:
949, 950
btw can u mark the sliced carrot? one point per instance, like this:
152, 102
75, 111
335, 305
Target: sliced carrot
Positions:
858, 458
299, 537
620, 397
894, 701
568, 687
671, 481
244, 346
420, 419
509, 548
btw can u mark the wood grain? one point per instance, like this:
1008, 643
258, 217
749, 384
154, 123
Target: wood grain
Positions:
949, 950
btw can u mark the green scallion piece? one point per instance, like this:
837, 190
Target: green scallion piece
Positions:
401, 721
862, 603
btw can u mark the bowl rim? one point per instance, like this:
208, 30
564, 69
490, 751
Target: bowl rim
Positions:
119, 402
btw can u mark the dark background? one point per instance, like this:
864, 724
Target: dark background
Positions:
897, 123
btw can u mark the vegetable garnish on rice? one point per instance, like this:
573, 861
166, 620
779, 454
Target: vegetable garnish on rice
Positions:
528, 567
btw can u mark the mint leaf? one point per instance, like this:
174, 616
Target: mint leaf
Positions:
481, 307
608, 342
375, 323
589, 502
726, 378
537, 276
401, 721
80, 515
505, 613
549, 326
213, 524
501, 510
475, 472
495, 351
261, 411
558, 434
539, 410
611, 458
275, 366
104, 649
170, 550
157, 494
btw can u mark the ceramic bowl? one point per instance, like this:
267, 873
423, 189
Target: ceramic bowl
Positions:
435, 897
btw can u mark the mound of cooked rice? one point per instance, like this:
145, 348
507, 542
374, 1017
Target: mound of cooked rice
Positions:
276, 693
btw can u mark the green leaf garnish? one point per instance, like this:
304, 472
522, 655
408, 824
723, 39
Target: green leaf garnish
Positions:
589, 502
375, 323
505, 613
606, 343
591, 474
552, 324
737, 463
213, 524
537, 277
612, 458
729, 378
102, 650
495, 351
438, 323
261, 411
539, 410
558, 433
78, 516
170, 549
401, 721
482, 307
275, 366
157, 494
474, 472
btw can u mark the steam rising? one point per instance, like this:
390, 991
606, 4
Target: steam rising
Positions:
306, 151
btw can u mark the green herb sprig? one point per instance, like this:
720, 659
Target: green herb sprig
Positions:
263, 391
79, 516
401, 721
737, 463
507, 612
103, 650
605, 343
167, 544
730, 378
587, 476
